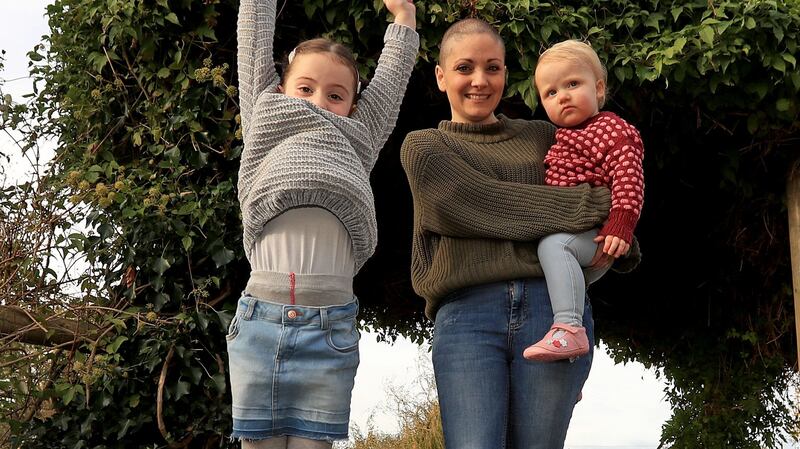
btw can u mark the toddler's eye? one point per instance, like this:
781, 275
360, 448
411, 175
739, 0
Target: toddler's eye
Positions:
573, 84
551, 93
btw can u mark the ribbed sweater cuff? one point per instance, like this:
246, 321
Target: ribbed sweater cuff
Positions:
621, 223
401, 33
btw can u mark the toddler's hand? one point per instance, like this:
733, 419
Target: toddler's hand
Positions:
614, 246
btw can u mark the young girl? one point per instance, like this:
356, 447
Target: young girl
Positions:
309, 224
592, 147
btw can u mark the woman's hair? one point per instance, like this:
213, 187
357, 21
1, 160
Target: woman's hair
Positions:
335, 50
463, 28
580, 52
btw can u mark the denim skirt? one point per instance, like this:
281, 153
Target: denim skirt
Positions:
292, 369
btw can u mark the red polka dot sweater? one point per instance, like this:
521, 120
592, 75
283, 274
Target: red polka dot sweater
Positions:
603, 151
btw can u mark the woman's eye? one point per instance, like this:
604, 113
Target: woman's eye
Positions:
463, 68
493, 68
305, 89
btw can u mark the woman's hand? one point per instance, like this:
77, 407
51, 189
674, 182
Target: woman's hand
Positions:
404, 12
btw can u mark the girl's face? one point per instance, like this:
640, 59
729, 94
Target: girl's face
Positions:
473, 75
320, 79
569, 90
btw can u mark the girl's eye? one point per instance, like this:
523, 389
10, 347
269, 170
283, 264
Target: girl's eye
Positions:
305, 89
336, 97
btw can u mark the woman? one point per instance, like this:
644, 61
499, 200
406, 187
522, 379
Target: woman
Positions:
479, 210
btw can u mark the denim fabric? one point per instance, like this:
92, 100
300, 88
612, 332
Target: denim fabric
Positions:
562, 257
490, 396
292, 369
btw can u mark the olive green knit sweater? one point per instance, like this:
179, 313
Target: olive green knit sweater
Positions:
480, 207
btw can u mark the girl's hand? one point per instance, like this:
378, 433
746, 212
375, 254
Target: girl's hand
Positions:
613, 246
404, 12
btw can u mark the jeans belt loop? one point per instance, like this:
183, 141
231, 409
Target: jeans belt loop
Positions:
323, 318
251, 307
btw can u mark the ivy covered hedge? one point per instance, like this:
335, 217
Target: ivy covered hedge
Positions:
141, 96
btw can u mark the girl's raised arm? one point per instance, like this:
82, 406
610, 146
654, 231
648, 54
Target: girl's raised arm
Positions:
255, 34
380, 102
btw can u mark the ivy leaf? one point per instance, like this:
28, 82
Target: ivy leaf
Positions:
219, 382
222, 256
181, 389
707, 34
172, 18
161, 265
783, 104
114, 346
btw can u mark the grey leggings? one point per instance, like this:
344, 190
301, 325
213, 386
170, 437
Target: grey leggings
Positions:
563, 257
285, 442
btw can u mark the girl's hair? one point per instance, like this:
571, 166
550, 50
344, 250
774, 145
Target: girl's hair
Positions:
577, 51
466, 27
335, 50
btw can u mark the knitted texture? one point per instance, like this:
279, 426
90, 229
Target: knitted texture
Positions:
297, 154
480, 205
603, 151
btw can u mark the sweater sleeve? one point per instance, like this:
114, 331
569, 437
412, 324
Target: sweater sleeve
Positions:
380, 102
624, 164
454, 199
256, 67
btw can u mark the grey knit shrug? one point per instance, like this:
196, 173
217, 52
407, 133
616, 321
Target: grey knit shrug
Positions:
297, 154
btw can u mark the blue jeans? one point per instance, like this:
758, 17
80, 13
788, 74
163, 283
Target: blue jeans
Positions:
490, 396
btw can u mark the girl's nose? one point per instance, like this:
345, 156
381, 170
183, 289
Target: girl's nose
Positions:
319, 100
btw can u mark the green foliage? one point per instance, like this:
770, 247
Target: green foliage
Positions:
141, 97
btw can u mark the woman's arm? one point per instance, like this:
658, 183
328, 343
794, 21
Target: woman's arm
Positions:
455, 200
380, 102
255, 34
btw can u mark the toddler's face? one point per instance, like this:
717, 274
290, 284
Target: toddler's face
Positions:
569, 91
318, 78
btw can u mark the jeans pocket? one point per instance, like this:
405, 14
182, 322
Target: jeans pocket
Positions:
343, 336
233, 328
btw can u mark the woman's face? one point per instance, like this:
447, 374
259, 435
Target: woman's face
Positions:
473, 74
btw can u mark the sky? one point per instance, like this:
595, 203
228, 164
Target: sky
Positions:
623, 406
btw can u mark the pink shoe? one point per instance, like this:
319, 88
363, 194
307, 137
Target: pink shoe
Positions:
561, 342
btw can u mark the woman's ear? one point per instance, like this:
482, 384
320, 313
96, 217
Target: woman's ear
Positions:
440, 78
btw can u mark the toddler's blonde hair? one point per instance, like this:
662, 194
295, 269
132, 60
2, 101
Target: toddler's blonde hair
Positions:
580, 52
